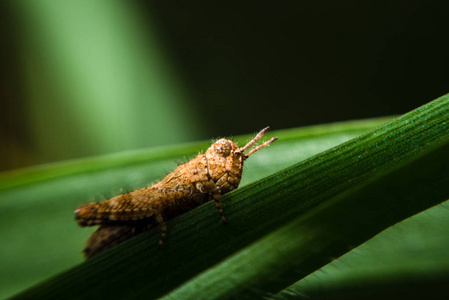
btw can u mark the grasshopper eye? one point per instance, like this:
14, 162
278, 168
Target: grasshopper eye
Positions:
223, 147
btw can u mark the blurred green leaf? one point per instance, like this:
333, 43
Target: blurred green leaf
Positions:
98, 79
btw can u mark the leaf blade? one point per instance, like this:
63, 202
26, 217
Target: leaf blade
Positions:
357, 160
46, 195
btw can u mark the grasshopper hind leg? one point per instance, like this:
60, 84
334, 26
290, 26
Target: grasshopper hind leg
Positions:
108, 236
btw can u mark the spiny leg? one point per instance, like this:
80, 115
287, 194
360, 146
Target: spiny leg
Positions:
107, 236
160, 221
216, 196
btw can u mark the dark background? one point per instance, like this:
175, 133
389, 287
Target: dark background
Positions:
246, 65
309, 62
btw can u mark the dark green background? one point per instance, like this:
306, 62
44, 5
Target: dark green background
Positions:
235, 67
307, 62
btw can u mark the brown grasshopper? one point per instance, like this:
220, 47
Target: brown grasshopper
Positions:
204, 178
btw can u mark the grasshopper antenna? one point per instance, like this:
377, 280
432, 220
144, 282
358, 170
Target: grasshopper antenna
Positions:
254, 141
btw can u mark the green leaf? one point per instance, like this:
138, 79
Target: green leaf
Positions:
282, 227
311, 240
36, 204
73, 71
